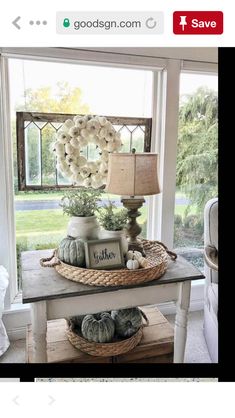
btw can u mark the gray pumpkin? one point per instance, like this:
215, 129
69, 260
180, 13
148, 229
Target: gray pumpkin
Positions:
98, 328
71, 251
127, 321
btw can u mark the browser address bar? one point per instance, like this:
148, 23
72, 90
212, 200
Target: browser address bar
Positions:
111, 23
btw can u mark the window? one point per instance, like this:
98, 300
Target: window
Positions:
36, 134
197, 156
48, 87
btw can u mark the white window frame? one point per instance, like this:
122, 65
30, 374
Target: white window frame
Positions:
166, 76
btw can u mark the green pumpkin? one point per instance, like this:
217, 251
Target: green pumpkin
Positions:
127, 321
71, 251
98, 328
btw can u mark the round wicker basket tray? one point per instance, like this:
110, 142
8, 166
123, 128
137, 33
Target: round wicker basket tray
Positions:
104, 349
157, 256
114, 348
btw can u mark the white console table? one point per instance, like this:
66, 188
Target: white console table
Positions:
53, 297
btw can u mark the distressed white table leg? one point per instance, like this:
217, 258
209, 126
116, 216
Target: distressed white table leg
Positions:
39, 331
181, 321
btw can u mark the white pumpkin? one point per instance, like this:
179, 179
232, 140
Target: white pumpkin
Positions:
69, 123
74, 168
85, 172
85, 133
102, 143
103, 169
70, 159
118, 144
69, 149
83, 142
92, 167
78, 179
59, 147
63, 137
74, 131
87, 182
80, 122
132, 264
75, 142
102, 120
111, 146
96, 184
110, 135
81, 161
133, 254
104, 156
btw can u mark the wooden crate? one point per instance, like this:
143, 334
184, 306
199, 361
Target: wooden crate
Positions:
156, 346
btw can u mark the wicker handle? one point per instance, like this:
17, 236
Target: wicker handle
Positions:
172, 255
44, 261
145, 318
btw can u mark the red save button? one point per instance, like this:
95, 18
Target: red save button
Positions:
198, 23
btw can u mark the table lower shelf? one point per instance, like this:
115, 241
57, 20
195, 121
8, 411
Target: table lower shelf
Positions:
156, 346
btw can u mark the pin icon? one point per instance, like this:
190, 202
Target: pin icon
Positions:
183, 22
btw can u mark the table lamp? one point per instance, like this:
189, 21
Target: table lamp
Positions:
133, 176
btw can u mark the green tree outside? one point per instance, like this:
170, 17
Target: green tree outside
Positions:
197, 159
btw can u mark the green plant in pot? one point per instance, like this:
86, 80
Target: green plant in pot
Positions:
82, 205
113, 221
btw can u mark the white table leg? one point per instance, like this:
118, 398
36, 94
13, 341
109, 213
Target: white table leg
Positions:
39, 331
181, 320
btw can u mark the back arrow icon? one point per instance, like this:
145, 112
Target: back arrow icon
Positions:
15, 400
15, 22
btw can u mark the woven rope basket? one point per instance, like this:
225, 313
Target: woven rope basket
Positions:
106, 349
157, 256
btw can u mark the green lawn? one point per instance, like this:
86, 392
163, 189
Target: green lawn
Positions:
37, 228
40, 222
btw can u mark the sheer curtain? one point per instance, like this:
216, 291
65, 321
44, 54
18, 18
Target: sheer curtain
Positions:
4, 341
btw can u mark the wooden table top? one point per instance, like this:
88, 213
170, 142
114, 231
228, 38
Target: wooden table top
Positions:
44, 283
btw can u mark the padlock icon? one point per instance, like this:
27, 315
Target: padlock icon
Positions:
66, 23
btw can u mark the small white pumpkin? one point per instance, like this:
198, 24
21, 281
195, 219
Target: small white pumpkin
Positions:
69, 149
103, 169
133, 254
69, 123
75, 142
132, 264
74, 168
85, 172
74, 132
63, 137
102, 120
88, 182
78, 179
81, 161
92, 167
85, 133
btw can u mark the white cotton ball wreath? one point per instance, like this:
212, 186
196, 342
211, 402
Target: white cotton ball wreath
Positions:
78, 133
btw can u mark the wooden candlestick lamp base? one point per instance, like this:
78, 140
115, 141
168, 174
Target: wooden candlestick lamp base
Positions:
132, 204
